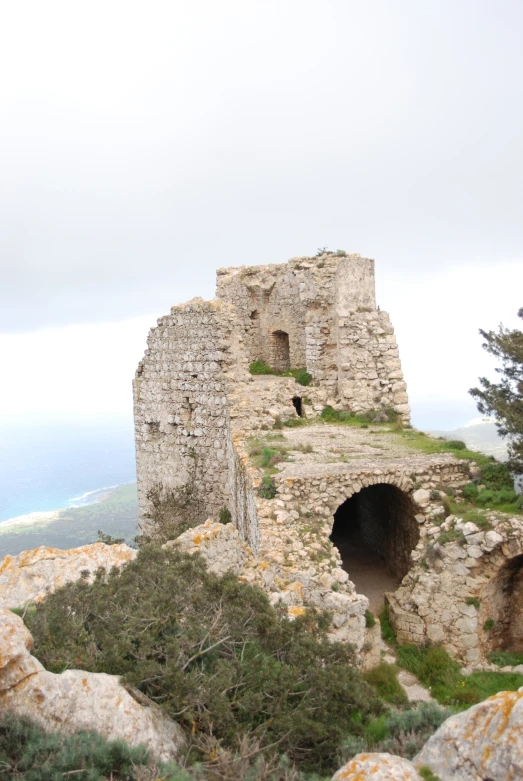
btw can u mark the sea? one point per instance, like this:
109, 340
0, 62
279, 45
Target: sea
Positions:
50, 467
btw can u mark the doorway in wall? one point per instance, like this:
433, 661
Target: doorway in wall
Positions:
375, 531
280, 351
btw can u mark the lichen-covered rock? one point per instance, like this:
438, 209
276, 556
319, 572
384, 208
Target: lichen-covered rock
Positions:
31, 575
377, 767
486, 741
77, 700
220, 545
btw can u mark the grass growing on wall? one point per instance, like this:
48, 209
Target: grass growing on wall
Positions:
302, 376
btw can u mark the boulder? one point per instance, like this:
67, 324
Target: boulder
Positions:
77, 700
377, 767
220, 545
482, 742
33, 574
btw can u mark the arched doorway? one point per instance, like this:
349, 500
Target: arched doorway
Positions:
280, 351
502, 603
375, 531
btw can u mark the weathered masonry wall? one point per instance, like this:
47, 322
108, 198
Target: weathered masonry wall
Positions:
320, 313
182, 429
465, 593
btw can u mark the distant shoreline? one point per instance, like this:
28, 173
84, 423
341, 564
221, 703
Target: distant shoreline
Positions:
44, 517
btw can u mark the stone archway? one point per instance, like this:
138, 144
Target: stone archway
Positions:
375, 531
502, 604
280, 351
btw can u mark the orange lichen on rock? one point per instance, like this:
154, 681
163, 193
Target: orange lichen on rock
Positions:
377, 767
483, 742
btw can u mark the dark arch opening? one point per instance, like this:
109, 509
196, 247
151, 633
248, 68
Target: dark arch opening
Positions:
375, 532
254, 315
280, 351
504, 603
298, 405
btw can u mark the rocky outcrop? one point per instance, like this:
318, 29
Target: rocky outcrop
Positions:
77, 700
33, 574
482, 743
377, 767
220, 545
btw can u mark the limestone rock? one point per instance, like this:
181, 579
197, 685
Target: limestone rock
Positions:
483, 742
421, 496
377, 767
220, 545
31, 575
77, 700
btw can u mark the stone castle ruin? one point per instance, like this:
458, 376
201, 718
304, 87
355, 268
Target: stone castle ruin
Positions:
338, 517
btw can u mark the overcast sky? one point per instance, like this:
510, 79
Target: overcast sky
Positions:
145, 144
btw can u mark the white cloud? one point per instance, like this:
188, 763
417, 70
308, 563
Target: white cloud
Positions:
85, 371
79, 372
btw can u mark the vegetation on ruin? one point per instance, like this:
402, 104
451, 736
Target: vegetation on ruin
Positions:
435, 669
375, 417
301, 376
267, 489
174, 510
504, 400
384, 679
505, 658
214, 654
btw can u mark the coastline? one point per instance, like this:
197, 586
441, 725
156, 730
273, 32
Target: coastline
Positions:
112, 510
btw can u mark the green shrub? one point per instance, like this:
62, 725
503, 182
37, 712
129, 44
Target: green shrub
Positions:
470, 491
496, 476
400, 732
370, 621
260, 367
225, 515
267, 489
452, 535
489, 624
294, 422
456, 444
214, 653
473, 601
29, 752
301, 376
505, 658
383, 679
387, 632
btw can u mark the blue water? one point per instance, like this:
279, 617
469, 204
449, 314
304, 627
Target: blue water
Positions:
51, 467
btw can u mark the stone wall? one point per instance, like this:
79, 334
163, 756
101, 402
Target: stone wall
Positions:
465, 590
324, 309
182, 430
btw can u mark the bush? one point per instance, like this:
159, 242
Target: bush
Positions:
473, 601
225, 515
383, 679
370, 621
489, 624
213, 652
456, 444
260, 367
29, 752
496, 476
399, 732
267, 489
505, 658
470, 491
301, 376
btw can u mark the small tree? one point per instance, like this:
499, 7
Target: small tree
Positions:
504, 400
